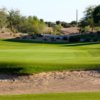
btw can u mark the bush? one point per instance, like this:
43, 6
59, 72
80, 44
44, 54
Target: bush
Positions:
53, 39
74, 39
65, 38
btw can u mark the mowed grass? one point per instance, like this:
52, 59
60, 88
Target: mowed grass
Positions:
29, 57
59, 96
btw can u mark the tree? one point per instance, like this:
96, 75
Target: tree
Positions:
31, 25
3, 18
38, 25
13, 18
83, 24
65, 25
41, 25
57, 29
50, 24
41, 20
96, 15
89, 16
24, 25
58, 22
73, 23
88, 21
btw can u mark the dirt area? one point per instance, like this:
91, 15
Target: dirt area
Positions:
55, 82
70, 30
9, 35
5, 36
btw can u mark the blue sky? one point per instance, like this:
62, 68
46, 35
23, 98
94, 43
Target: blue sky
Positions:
50, 10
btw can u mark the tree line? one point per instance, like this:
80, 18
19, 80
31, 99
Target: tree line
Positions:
15, 22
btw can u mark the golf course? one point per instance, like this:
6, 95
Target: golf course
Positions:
29, 57
49, 50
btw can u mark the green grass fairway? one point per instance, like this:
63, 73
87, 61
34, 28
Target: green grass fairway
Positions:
63, 96
28, 57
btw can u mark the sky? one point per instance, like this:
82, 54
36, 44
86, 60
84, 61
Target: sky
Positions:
50, 10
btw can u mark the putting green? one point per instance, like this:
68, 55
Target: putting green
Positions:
24, 57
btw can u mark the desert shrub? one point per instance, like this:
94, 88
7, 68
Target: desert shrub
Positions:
74, 39
65, 38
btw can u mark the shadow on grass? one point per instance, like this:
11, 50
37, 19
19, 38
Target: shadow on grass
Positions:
82, 44
11, 73
10, 70
33, 41
53, 42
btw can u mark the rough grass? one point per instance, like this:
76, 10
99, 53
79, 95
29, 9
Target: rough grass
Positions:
29, 57
62, 96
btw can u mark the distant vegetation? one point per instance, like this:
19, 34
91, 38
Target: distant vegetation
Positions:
15, 22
